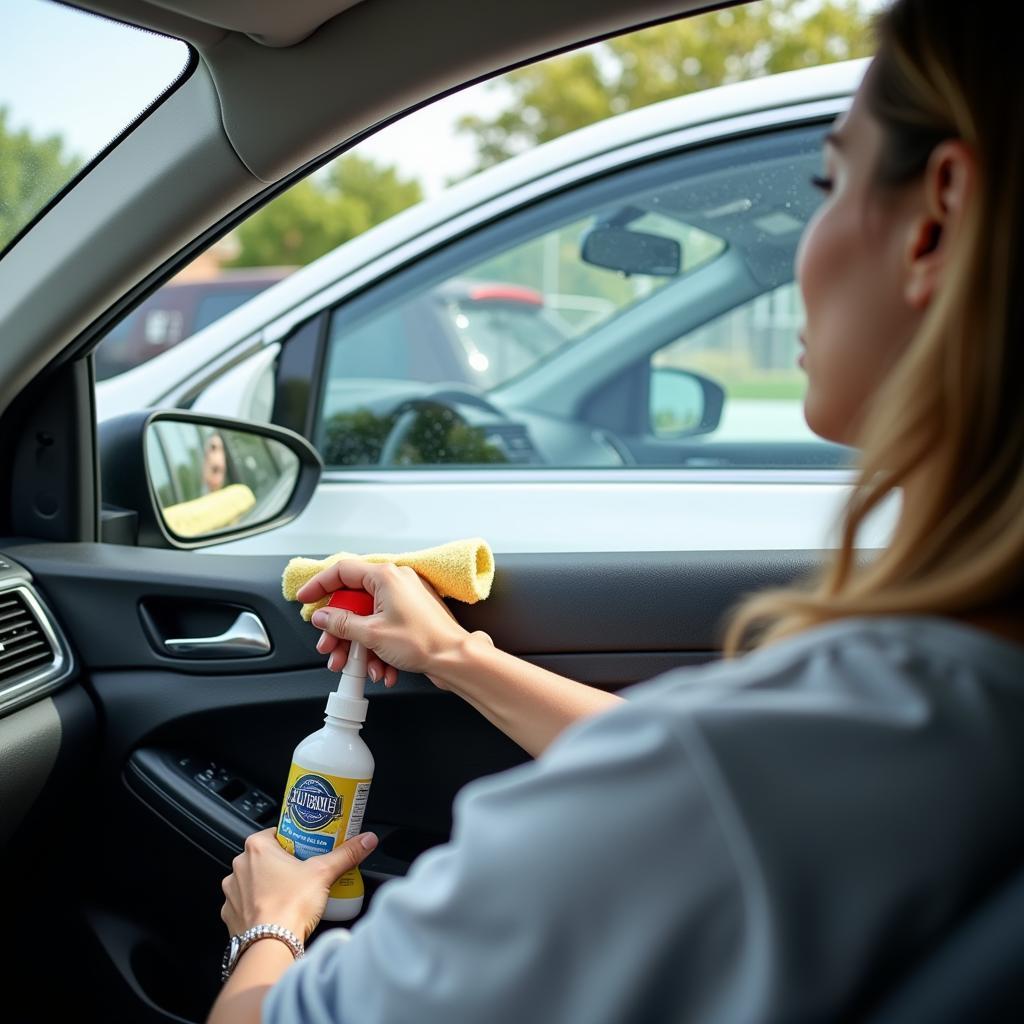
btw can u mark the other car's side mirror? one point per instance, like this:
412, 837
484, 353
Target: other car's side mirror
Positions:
185, 480
631, 252
682, 403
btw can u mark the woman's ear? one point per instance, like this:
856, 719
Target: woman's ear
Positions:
946, 190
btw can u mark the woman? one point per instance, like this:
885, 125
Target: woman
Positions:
774, 837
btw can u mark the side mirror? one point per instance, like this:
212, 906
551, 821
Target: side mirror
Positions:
185, 480
631, 252
682, 404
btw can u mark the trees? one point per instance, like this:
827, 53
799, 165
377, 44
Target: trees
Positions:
311, 218
323, 211
556, 96
32, 172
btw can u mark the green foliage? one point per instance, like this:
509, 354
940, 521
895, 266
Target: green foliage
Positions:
438, 436
553, 97
319, 213
355, 438
32, 172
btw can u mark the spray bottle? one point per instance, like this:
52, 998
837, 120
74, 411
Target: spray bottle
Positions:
329, 780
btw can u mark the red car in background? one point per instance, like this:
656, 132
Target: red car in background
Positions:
177, 311
480, 332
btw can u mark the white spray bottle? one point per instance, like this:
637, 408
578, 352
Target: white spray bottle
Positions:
329, 780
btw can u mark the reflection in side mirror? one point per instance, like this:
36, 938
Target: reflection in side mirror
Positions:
682, 404
631, 252
209, 480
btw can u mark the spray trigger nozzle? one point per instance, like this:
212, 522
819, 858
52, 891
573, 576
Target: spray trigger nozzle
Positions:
348, 701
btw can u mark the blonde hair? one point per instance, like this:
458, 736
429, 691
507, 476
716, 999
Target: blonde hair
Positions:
949, 418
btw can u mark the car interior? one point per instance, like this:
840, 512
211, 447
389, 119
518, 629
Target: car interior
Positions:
599, 377
134, 761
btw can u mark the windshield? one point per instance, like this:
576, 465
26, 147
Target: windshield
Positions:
70, 84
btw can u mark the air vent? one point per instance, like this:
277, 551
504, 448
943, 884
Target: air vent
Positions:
24, 647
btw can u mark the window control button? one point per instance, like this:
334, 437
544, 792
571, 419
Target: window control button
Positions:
209, 780
245, 806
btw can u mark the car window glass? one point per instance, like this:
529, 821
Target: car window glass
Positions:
557, 317
57, 110
751, 351
194, 299
514, 347
213, 307
416, 159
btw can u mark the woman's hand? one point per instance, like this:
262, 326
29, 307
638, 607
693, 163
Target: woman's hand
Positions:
410, 625
268, 885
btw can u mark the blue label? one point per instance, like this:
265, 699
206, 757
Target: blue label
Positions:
313, 803
304, 844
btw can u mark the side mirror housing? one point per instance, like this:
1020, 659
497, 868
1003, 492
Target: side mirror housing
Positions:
178, 479
682, 403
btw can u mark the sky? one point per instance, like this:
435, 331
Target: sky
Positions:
98, 75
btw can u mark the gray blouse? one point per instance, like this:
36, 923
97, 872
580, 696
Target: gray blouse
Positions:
767, 839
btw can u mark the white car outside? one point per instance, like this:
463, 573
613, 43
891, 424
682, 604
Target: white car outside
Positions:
229, 369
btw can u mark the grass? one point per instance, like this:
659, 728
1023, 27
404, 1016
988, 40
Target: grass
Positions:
776, 388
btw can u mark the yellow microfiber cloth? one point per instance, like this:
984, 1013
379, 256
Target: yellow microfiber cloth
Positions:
210, 512
463, 569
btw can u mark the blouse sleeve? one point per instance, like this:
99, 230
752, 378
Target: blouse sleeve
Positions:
595, 884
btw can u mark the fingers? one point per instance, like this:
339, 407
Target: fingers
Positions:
350, 573
344, 858
375, 668
337, 655
257, 842
326, 643
346, 625
336, 651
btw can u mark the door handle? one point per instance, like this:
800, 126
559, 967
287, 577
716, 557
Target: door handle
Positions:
246, 637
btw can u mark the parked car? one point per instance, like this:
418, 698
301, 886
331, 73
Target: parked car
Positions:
487, 331
177, 311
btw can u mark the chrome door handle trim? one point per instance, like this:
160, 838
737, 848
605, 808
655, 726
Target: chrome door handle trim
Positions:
245, 638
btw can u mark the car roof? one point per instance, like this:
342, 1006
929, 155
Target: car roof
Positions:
806, 85
146, 383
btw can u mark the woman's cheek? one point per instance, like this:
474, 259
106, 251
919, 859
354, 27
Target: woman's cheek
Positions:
817, 273
827, 403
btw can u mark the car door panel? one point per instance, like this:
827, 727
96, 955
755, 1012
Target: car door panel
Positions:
530, 610
42, 746
151, 843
